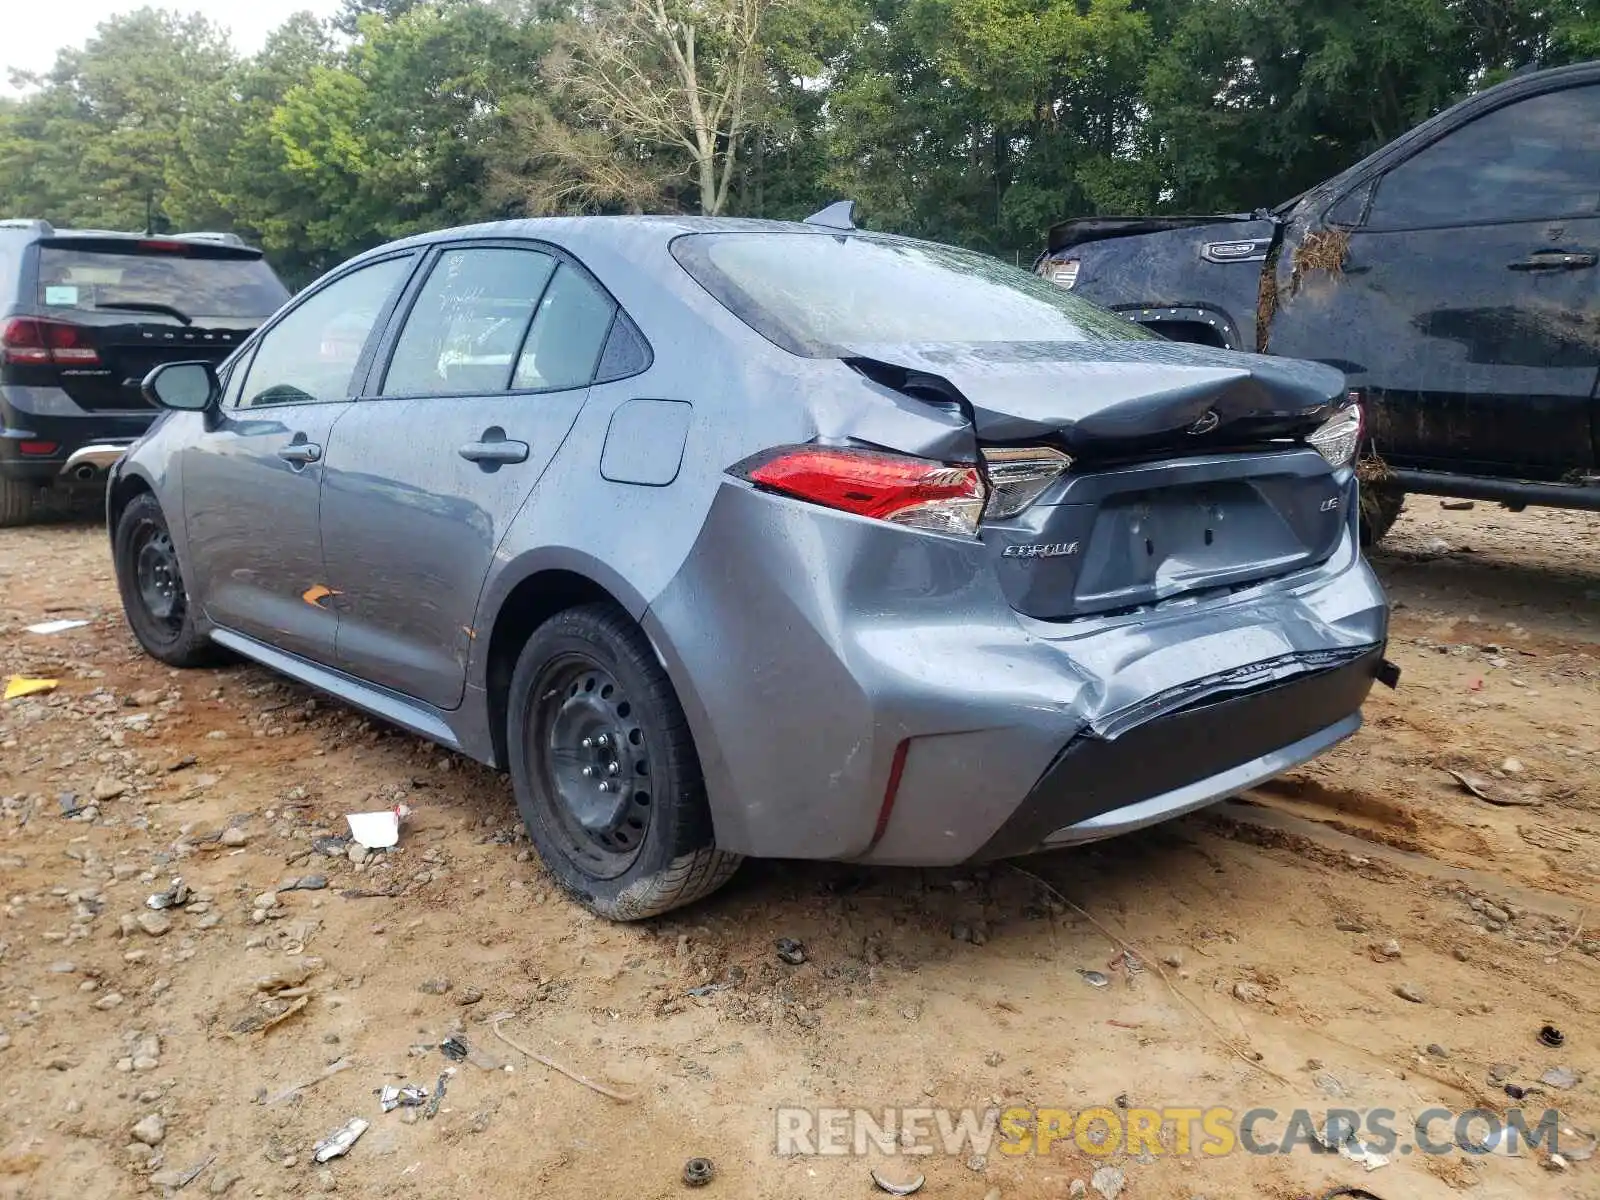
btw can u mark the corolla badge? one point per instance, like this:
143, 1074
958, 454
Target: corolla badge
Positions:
1040, 550
1206, 423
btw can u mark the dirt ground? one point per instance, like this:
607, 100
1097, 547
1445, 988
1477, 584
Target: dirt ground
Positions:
1259, 975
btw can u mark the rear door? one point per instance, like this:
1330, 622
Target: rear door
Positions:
1468, 303
130, 304
252, 479
474, 393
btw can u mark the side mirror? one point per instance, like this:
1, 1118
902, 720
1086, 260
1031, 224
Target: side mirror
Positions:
184, 386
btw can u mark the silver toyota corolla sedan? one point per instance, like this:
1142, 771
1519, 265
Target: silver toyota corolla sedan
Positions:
736, 538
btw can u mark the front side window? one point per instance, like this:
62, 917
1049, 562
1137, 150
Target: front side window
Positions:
820, 295
469, 322
232, 379
310, 356
1534, 159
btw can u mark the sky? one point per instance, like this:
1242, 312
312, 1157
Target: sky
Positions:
35, 30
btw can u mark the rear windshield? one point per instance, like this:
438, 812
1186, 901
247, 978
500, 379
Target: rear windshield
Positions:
191, 282
823, 296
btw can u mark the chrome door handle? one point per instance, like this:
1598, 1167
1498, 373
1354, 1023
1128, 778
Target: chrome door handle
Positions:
497, 451
1555, 260
300, 453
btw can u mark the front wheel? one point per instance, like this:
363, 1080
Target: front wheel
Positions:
154, 594
605, 771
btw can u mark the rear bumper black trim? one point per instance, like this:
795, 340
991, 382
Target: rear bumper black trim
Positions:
1186, 759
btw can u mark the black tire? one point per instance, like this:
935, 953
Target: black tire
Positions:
1380, 509
18, 501
587, 675
155, 595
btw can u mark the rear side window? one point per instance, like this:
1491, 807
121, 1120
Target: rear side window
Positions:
824, 295
1533, 159
626, 352
468, 324
568, 333
186, 284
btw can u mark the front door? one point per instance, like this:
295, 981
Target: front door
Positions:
481, 385
251, 482
1468, 302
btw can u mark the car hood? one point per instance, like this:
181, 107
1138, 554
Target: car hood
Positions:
1113, 397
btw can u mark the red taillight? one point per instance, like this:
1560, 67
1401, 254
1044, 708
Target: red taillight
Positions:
164, 246
22, 341
28, 341
38, 448
872, 483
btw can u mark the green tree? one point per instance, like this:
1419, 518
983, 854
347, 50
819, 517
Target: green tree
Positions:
972, 121
682, 76
394, 138
784, 171
1251, 101
94, 142
231, 172
979, 121
348, 20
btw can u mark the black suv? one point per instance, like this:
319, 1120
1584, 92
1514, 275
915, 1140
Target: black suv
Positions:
1451, 275
84, 315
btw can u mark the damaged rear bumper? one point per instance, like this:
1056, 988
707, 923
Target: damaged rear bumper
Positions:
1186, 760
859, 691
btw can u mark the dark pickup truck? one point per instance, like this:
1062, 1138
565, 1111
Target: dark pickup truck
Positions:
1451, 275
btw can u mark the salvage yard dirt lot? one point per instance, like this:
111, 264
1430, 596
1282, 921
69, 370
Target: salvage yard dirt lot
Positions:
1271, 939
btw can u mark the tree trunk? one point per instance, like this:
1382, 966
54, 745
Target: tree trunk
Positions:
760, 209
708, 182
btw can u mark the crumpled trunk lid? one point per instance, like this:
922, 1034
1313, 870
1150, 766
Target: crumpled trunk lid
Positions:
1115, 399
1188, 473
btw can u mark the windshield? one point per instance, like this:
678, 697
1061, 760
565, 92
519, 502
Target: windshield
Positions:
822, 295
164, 286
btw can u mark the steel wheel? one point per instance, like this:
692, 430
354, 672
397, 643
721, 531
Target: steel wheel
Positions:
591, 755
589, 691
151, 581
157, 578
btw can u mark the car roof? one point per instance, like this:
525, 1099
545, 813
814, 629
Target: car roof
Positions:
668, 224
31, 228
660, 229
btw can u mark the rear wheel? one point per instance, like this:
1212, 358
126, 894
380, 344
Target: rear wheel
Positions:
154, 594
18, 499
1380, 509
605, 771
